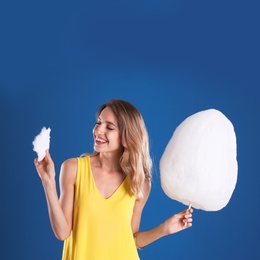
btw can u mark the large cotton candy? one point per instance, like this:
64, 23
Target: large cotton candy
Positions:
199, 164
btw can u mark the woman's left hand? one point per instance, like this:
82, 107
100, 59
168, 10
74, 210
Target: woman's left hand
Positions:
178, 222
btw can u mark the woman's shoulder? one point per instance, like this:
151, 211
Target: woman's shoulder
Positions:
71, 162
69, 167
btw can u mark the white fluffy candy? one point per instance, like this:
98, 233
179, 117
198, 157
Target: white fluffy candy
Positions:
199, 165
42, 142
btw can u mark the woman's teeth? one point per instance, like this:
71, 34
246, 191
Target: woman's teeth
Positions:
100, 140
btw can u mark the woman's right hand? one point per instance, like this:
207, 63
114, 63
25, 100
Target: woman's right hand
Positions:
45, 167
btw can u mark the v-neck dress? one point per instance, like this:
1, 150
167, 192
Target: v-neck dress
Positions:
101, 226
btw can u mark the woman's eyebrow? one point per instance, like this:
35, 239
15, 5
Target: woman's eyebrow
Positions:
108, 122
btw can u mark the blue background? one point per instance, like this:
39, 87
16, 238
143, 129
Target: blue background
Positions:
60, 60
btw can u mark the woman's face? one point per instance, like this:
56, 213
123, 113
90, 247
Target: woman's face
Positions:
106, 133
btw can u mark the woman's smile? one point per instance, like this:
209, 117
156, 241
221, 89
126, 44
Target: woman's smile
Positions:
100, 141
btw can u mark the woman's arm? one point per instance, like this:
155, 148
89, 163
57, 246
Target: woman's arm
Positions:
172, 225
60, 210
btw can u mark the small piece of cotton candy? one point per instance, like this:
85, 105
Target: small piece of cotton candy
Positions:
199, 165
41, 143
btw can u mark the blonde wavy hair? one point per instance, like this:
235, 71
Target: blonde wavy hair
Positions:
135, 161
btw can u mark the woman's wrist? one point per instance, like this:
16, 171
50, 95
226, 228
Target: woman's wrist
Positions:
164, 230
49, 183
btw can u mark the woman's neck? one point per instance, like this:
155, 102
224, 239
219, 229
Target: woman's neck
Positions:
109, 162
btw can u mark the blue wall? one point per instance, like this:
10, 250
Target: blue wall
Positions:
60, 60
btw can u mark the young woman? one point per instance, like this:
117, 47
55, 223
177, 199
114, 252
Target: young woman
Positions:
102, 195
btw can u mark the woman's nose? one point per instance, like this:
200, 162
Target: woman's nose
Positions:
100, 129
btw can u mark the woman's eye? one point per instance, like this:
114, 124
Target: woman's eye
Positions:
108, 127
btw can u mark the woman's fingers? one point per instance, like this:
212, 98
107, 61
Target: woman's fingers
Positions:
48, 156
187, 220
